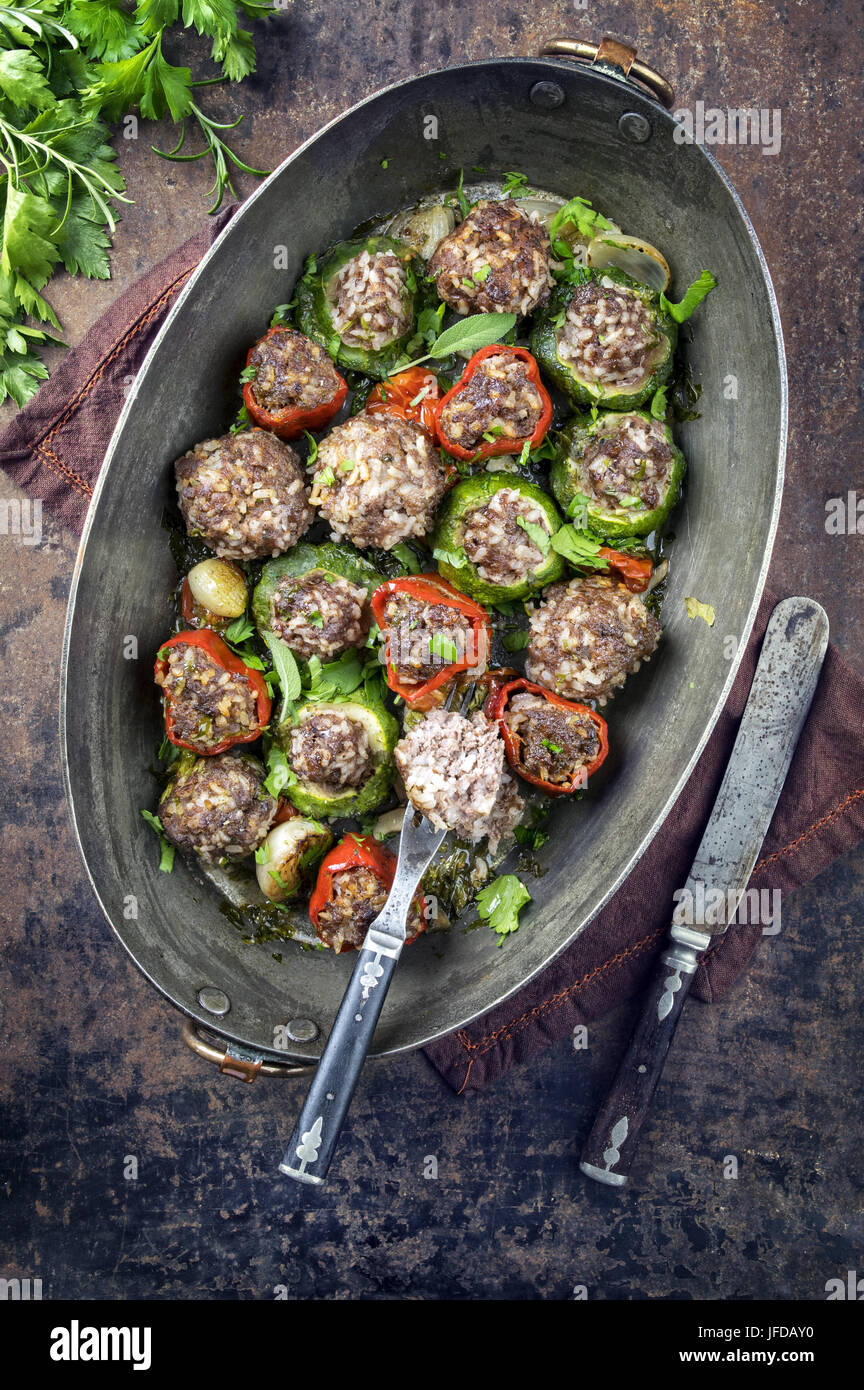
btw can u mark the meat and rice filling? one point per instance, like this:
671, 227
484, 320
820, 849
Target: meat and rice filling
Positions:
424, 637
370, 303
244, 494
219, 808
497, 541
452, 769
292, 372
587, 636
208, 703
500, 401
319, 614
632, 460
358, 897
331, 750
378, 480
608, 336
554, 743
497, 261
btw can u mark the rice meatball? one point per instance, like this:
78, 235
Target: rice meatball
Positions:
319, 614
331, 750
378, 480
372, 305
358, 897
630, 458
506, 813
496, 540
291, 372
219, 808
452, 769
587, 636
244, 494
497, 261
609, 337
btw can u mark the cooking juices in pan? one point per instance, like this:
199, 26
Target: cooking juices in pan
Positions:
455, 462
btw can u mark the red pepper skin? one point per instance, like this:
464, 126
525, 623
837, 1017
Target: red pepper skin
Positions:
223, 656
489, 449
495, 709
431, 588
291, 422
394, 396
355, 851
635, 571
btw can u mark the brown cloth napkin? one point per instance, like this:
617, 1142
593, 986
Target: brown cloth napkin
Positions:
54, 449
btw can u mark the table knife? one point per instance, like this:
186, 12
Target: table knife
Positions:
787, 673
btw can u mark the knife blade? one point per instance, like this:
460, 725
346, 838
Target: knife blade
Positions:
781, 693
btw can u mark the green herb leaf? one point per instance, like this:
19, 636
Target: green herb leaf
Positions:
538, 534
500, 903
286, 670
166, 858
698, 291
238, 631
579, 548
279, 773
578, 213
516, 641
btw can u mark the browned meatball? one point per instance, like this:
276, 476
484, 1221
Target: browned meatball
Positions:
609, 336
587, 636
244, 494
331, 750
378, 480
318, 614
219, 807
497, 261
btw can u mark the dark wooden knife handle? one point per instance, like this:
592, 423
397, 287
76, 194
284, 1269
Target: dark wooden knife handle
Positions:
612, 1143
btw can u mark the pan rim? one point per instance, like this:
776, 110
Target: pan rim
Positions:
222, 1027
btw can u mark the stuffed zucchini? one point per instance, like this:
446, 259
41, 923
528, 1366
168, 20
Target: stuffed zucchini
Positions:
624, 470
493, 538
341, 753
315, 599
606, 340
361, 303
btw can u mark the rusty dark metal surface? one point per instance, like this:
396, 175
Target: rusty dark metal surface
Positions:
96, 1084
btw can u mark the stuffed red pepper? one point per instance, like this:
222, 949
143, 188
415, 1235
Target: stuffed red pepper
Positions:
213, 700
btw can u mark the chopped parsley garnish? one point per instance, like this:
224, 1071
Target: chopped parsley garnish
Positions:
538, 534
166, 858
500, 903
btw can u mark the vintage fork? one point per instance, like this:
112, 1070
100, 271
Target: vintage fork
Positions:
317, 1131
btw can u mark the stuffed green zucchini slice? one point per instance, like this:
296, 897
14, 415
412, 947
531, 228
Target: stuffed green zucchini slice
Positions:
623, 471
361, 303
341, 753
493, 538
605, 340
315, 599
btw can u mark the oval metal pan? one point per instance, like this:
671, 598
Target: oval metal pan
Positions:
674, 195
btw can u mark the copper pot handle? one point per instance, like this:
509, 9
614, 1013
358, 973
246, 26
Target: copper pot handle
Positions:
230, 1063
616, 60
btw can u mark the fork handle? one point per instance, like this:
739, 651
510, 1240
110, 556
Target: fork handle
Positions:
317, 1131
